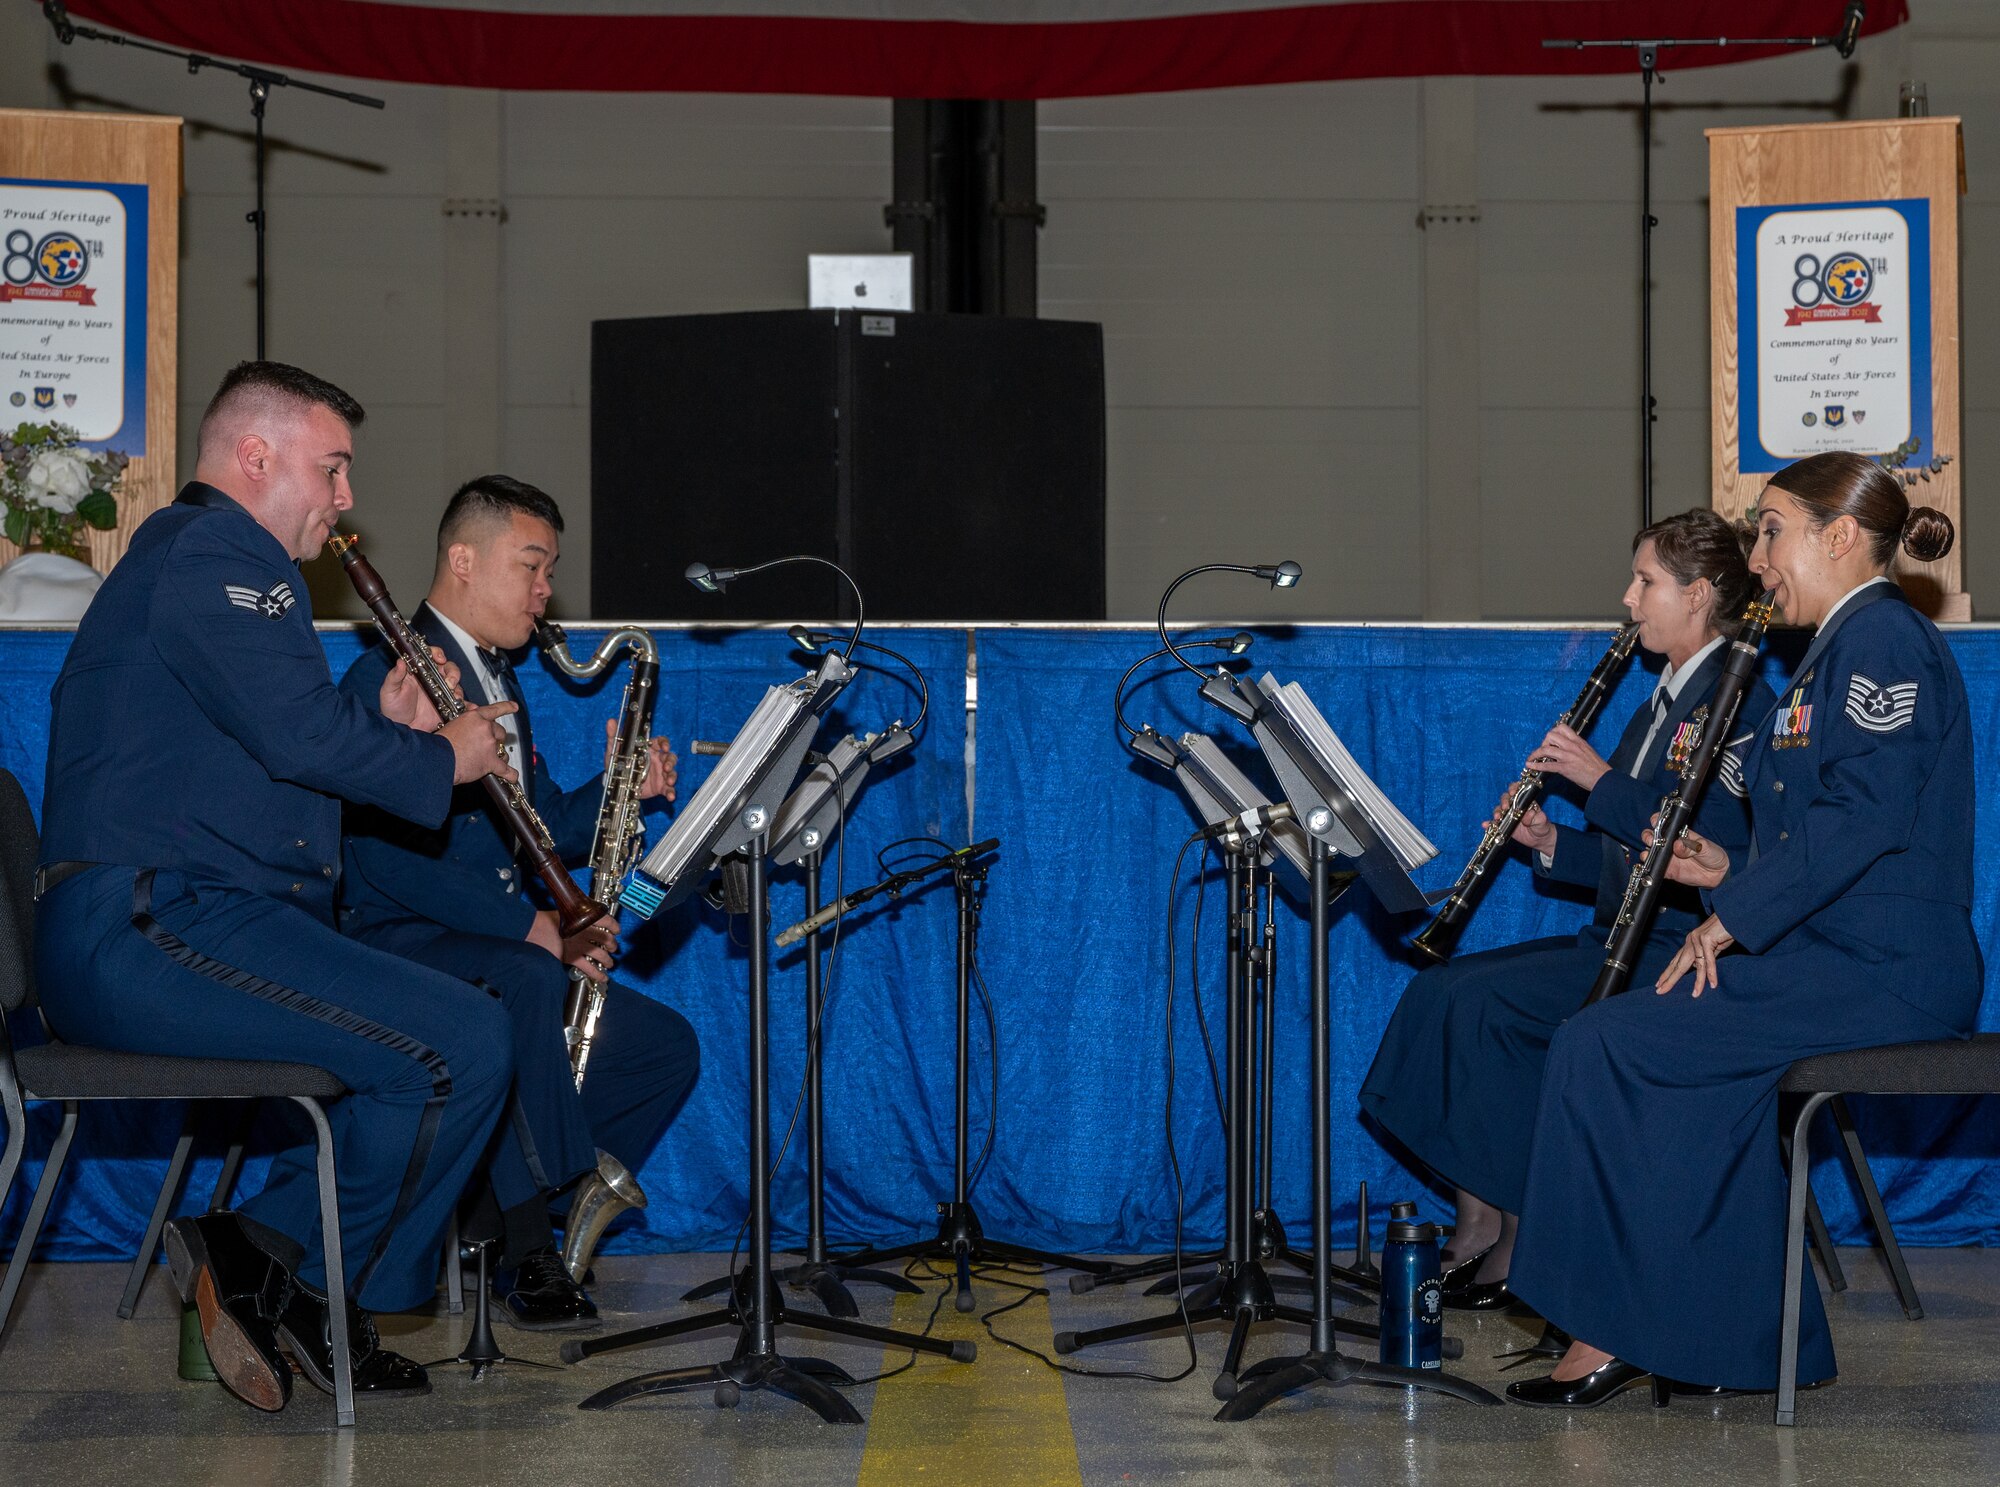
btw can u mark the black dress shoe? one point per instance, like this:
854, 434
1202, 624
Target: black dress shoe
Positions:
1492, 1295
236, 1289
305, 1328
539, 1296
1460, 1274
1588, 1392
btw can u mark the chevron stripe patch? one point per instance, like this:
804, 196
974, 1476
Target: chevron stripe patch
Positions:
1877, 708
1729, 770
270, 603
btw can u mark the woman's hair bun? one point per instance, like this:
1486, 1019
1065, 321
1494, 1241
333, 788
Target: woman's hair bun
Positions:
1927, 534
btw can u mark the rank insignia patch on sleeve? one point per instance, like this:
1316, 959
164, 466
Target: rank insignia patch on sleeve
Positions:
270, 603
1877, 708
1729, 770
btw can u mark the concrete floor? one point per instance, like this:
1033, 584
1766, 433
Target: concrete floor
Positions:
85, 1398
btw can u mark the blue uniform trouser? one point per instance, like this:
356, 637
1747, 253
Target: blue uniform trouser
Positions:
1459, 1073
149, 962
642, 1064
1654, 1221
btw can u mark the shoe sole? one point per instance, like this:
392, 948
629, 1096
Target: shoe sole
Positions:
240, 1365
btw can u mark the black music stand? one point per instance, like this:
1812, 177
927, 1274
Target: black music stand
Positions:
1336, 823
1238, 1290
731, 813
959, 1239
802, 831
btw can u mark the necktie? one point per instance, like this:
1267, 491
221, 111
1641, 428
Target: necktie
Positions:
1661, 702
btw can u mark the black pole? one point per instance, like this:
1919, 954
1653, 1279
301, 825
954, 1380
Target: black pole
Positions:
815, 1152
1322, 1114
259, 91
968, 928
1647, 222
1267, 975
758, 1339
1235, 1238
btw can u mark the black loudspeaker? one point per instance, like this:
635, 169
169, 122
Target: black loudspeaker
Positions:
954, 464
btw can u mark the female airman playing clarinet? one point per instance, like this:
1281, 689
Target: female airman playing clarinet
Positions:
1460, 1067
1654, 1215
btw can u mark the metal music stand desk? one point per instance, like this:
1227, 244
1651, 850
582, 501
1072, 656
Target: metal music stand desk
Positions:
733, 812
1336, 825
1239, 1290
802, 831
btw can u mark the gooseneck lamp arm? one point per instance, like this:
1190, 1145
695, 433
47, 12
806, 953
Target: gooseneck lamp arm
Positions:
1278, 575
1235, 644
715, 580
812, 640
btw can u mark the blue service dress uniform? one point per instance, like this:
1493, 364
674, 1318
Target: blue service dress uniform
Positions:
1655, 1215
198, 754
453, 899
1459, 1072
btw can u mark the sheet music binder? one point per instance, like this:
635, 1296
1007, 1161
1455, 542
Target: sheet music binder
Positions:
1331, 797
747, 786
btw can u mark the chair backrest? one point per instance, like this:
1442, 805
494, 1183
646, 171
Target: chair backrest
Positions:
19, 849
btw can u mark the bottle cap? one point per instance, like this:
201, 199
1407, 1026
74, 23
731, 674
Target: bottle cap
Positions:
1404, 1210
1405, 1231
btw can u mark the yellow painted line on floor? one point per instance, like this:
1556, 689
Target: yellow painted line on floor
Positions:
1001, 1421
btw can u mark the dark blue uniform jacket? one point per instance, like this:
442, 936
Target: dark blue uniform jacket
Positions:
464, 873
197, 728
1619, 808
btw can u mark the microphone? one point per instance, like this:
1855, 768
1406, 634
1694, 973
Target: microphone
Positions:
861, 896
58, 17
1850, 28
1248, 823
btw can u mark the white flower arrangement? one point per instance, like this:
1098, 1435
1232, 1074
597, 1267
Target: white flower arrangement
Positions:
51, 490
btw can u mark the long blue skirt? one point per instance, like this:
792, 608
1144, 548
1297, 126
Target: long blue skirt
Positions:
1458, 1077
1654, 1220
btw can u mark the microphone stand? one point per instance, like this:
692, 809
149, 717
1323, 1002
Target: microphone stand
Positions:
1647, 52
261, 79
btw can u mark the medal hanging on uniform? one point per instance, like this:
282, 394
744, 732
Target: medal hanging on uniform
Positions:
1792, 725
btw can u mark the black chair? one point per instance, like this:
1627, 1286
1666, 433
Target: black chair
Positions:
71, 1075
1952, 1066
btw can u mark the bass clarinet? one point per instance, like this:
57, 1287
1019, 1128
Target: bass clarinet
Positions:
1440, 937
617, 845
1678, 807
530, 834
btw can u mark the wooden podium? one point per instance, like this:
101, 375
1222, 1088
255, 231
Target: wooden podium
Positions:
117, 156
1834, 311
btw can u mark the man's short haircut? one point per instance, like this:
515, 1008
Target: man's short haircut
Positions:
486, 497
275, 382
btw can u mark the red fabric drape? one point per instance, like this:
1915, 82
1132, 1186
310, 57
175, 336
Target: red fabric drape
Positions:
564, 46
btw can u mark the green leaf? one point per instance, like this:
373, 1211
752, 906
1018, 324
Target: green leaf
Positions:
99, 510
17, 525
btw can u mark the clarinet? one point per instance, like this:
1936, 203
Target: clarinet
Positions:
621, 835
1677, 808
577, 911
1440, 937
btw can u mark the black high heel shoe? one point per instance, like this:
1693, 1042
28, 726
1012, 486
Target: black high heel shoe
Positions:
1491, 1295
1460, 1274
1588, 1392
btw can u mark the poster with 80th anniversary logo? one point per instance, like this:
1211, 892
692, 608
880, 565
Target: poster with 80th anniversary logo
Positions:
1833, 316
73, 308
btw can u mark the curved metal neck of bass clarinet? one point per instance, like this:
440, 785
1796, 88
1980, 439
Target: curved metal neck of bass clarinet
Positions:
554, 641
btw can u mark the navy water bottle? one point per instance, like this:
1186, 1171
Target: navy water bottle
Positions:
1412, 1292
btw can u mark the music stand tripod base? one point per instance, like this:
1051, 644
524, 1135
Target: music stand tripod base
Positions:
959, 1238
481, 1353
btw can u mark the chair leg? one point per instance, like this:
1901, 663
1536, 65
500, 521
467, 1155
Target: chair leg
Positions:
454, 1273
31, 1230
232, 1160
1795, 1262
336, 1265
1822, 1242
170, 1186
17, 1134
1885, 1233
